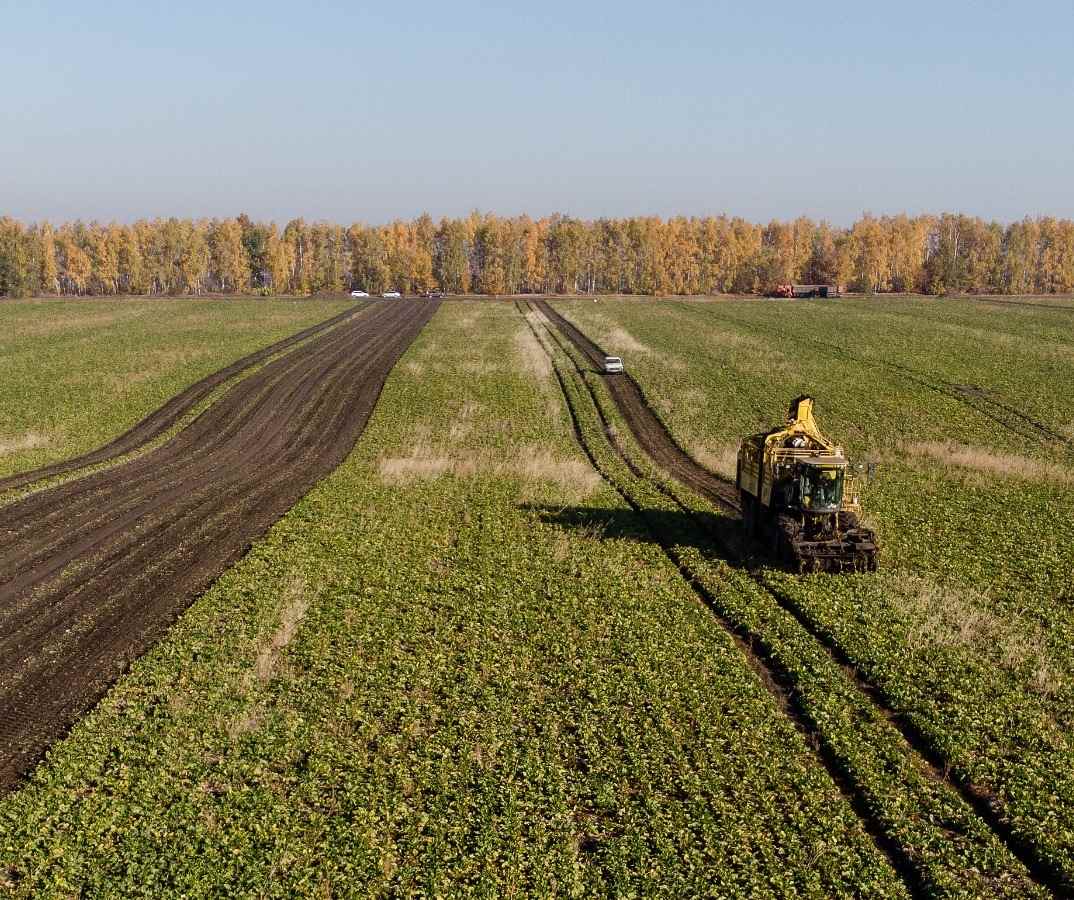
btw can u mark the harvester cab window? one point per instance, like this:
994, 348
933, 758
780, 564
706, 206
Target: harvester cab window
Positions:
821, 488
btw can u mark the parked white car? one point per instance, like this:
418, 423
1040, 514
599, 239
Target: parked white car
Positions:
359, 293
391, 295
613, 365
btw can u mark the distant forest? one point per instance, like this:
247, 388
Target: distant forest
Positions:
489, 254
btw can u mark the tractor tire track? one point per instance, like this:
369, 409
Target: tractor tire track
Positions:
647, 427
79, 503
159, 421
985, 805
77, 627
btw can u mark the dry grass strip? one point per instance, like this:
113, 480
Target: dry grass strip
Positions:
267, 662
31, 440
530, 464
947, 616
1007, 465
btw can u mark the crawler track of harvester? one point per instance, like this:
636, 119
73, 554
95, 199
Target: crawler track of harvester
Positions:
93, 571
983, 804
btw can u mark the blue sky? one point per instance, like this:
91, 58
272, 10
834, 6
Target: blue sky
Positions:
368, 112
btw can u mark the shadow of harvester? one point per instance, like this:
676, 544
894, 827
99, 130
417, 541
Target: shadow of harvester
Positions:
715, 537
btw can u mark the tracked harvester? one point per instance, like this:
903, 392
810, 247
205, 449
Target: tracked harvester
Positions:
801, 496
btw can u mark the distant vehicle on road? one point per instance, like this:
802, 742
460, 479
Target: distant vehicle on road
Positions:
359, 293
434, 295
613, 365
391, 295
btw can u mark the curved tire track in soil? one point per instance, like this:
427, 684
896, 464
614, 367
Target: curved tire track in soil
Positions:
985, 805
647, 427
82, 503
155, 532
159, 421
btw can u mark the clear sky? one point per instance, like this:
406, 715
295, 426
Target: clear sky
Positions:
119, 109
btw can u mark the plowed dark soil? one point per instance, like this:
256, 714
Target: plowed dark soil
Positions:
648, 429
93, 571
158, 422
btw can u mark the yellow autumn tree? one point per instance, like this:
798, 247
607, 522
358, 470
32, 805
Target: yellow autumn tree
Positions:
49, 270
229, 264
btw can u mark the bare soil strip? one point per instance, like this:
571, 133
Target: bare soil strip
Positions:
158, 422
648, 429
984, 804
93, 572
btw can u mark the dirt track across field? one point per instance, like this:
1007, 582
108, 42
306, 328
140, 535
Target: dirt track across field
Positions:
649, 431
93, 571
158, 422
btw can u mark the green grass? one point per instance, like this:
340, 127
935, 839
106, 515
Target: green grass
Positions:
77, 373
423, 682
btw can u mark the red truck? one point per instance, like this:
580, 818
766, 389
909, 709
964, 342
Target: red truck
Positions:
805, 290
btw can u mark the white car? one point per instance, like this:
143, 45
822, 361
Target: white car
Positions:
391, 295
359, 294
613, 365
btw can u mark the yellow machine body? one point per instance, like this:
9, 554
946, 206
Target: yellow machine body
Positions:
798, 489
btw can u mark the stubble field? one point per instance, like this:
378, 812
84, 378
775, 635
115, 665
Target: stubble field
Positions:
500, 650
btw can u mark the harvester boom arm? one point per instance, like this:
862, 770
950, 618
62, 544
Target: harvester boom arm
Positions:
800, 421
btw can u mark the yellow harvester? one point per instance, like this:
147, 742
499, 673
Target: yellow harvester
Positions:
799, 494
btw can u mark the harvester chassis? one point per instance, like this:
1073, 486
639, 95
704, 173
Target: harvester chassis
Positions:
855, 551
852, 548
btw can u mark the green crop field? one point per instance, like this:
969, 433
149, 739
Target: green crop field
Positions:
499, 653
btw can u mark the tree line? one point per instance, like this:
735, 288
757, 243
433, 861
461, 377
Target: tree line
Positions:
490, 254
